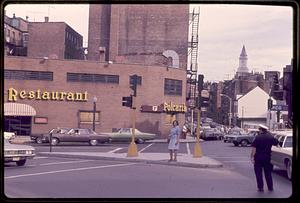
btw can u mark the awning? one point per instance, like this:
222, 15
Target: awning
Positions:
17, 109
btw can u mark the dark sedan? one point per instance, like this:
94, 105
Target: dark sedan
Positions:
42, 138
79, 135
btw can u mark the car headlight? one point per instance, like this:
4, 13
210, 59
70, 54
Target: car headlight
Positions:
29, 152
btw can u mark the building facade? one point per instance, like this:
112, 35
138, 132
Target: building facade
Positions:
41, 94
16, 36
55, 40
139, 33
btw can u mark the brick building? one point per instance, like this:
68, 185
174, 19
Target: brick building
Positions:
55, 40
40, 94
138, 33
16, 36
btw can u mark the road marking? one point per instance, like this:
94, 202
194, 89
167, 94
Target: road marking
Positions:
237, 161
69, 170
113, 151
64, 162
188, 148
41, 157
146, 147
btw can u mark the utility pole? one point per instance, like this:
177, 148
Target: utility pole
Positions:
197, 148
132, 149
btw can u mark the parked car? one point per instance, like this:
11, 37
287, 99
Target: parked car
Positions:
282, 154
9, 135
125, 134
17, 153
42, 138
211, 134
78, 135
244, 139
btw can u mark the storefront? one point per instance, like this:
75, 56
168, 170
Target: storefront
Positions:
18, 118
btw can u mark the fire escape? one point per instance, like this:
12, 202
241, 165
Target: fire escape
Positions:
192, 69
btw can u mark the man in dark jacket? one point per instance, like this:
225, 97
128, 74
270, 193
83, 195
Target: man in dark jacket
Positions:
261, 157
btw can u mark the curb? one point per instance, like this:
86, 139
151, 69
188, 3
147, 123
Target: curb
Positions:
160, 162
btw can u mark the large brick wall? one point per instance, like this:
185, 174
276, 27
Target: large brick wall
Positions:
109, 103
46, 39
140, 33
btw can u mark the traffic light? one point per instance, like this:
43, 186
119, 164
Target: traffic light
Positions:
205, 102
270, 104
275, 83
200, 83
133, 83
127, 101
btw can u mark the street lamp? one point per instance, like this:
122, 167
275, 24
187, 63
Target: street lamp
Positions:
94, 111
230, 110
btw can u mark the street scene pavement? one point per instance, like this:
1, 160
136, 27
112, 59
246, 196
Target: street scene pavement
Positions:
105, 171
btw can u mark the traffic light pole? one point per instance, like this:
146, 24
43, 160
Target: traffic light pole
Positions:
132, 149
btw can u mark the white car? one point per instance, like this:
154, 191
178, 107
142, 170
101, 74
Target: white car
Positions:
17, 153
282, 154
9, 135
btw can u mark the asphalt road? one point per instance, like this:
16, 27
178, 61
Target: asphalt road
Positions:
50, 177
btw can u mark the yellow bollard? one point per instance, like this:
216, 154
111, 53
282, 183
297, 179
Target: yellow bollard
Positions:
197, 148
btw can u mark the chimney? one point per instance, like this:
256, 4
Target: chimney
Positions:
102, 54
46, 19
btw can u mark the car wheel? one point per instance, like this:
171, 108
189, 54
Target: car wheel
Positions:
289, 169
139, 141
93, 142
244, 143
236, 144
39, 140
21, 162
55, 141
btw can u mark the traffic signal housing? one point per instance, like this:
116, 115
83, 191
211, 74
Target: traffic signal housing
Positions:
133, 83
127, 101
270, 104
200, 83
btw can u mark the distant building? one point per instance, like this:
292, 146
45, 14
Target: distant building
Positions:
139, 34
55, 40
243, 69
16, 36
252, 108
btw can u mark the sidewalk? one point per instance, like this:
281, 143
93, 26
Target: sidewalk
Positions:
186, 160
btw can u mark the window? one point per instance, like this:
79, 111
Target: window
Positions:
173, 87
87, 77
288, 142
86, 117
28, 75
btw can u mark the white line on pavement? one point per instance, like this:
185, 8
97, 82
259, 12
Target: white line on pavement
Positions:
188, 148
68, 170
41, 157
64, 162
146, 147
113, 151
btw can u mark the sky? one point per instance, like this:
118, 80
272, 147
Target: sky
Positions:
266, 32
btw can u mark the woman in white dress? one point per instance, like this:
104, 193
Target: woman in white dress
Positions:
174, 140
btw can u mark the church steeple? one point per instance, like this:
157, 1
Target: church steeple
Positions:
243, 69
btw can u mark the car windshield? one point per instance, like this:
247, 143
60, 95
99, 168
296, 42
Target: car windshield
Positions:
288, 142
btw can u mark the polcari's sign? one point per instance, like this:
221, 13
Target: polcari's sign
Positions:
165, 107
